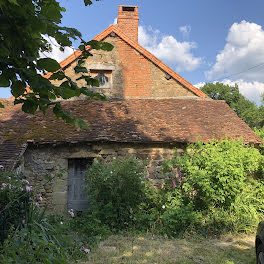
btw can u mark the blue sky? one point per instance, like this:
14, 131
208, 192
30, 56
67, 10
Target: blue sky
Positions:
201, 40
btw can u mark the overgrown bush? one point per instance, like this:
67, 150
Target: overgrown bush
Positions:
17, 200
115, 191
27, 234
152, 207
214, 189
38, 242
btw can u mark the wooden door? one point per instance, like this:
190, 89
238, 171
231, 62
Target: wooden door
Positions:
77, 196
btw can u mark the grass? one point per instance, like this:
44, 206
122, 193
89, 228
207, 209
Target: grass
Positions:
154, 249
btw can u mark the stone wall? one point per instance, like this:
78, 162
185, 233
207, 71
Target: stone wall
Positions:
133, 75
47, 160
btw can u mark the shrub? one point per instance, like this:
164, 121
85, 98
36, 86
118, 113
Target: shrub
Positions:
150, 210
40, 242
115, 191
214, 189
16, 201
27, 235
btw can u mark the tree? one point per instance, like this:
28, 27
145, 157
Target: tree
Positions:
23, 27
244, 108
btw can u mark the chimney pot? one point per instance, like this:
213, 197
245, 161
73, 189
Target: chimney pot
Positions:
127, 21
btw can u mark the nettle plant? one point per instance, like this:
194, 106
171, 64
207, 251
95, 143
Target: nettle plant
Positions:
18, 202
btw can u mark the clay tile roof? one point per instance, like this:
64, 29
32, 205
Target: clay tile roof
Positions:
135, 120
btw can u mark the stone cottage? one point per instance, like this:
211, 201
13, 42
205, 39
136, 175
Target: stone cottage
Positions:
151, 113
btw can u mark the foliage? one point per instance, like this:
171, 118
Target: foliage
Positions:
27, 235
17, 202
214, 189
41, 241
88, 229
25, 26
244, 108
148, 217
115, 191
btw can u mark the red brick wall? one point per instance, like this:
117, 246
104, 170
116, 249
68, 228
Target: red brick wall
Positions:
127, 21
136, 72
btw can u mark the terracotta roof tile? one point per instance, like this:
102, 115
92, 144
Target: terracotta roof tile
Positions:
135, 120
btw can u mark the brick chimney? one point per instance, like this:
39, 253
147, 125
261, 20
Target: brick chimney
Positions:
127, 21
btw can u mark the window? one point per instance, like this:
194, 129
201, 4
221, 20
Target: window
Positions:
103, 76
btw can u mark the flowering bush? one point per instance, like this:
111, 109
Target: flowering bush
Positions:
27, 235
17, 200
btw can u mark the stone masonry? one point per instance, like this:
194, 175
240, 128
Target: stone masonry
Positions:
43, 161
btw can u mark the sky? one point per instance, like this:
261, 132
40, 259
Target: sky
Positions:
202, 40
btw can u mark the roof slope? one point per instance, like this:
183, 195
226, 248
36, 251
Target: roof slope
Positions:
140, 49
166, 120
135, 120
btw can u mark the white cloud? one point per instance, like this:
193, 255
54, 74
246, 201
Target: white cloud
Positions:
244, 49
199, 85
185, 30
251, 90
56, 53
169, 49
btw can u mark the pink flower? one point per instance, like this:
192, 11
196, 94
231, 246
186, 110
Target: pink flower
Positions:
36, 204
28, 188
40, 197
86, 250
71, 212
3, 185
25, 181
173, 183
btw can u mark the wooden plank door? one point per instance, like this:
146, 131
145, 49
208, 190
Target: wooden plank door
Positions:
77, 196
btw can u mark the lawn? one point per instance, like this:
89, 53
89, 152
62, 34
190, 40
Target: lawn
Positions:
153, 249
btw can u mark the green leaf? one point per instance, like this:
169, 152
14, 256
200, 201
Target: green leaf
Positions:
81, 47
29, 107
4, 82
52, 11
79, 69
87, 2
13, 2
57, 76
81, 62
92, 82
68, 93
100, 45
80, 123
18, 88
65, 84
48, 64
1, 105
